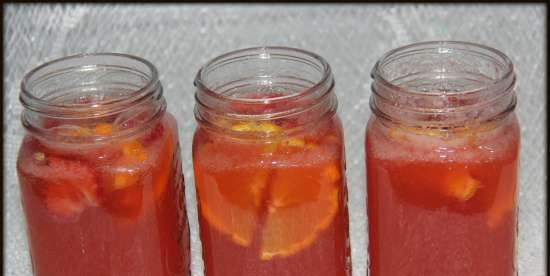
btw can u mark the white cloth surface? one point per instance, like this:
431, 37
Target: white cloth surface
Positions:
178, 39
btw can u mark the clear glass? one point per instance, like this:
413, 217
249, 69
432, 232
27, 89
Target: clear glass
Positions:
269, 166
442, 151
100, 170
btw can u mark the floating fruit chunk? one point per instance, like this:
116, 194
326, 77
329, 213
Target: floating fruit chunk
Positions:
104, 129
260, 126
230, 204
134, 149
460, 185
64, 201
130, 166
124, 197
125, 179
243, 188
303, 202
288, 205
69, 186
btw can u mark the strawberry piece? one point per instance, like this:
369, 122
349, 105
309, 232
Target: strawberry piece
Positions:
75, 174
69, 185
64, 201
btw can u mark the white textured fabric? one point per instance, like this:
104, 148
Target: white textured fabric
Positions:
178, 39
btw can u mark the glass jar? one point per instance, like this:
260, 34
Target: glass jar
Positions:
269, 165
100, 170
442, 152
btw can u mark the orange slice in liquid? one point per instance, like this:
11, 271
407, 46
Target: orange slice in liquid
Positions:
230, 200
291, 205
302, 203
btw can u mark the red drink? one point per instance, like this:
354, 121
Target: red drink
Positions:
442, 190
271, 192
104, 196
456, 213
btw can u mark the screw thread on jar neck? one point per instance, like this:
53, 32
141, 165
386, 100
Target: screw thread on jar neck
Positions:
443, 84
91, 88
262, 84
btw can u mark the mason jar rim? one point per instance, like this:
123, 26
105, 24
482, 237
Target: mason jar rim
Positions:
36, 106
378, 75
26, 94
257, 52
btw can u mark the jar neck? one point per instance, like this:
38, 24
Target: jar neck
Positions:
443, 84
264, 84
87, 89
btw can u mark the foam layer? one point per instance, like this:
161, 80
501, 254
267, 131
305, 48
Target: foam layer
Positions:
487, 142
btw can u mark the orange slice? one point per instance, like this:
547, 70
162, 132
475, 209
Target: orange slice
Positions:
303, 202
230, 200
284, 208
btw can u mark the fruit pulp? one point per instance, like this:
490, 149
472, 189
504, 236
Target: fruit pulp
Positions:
272, 206
107, 208
442, 202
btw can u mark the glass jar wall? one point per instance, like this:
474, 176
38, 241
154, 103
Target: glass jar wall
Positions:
442, 152
269, 165
100, 170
